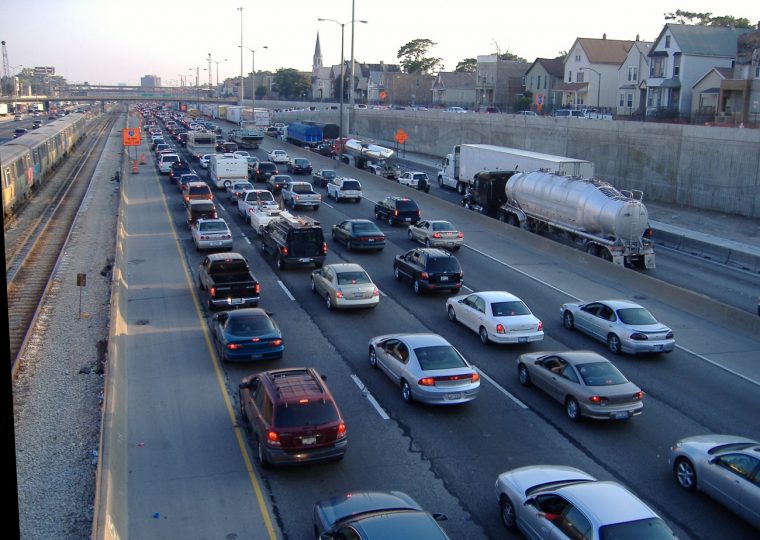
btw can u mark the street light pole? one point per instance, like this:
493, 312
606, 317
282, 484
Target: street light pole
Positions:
253, 79
598, 87
240, 101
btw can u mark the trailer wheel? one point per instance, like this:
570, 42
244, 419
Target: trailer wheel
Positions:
461, 188
605, 254
512, 220
592, 249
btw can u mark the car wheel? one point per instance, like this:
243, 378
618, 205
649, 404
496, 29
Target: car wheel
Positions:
483, 333
613, 344
523, 375
328, 302
452, 314
313, 285
409, 234
372, 357
417, 287
261, 454
227, 184
573, 409
349, 245
280, 262
390, 221
406, 392
568, 321
427, 243
508, 517
396, 273
377, 215
685, 474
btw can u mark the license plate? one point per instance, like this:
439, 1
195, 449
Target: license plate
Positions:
658, 347
216, 243
444, 278
621, 415
304, 259
236, 301
309, 440
407, 219
453, 396
522, 340
370, 239
358, 295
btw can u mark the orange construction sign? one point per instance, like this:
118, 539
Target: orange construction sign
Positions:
130, 137
401, 136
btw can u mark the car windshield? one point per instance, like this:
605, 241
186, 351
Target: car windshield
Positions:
366, 228
311, 413
248, 325
444, 264
600, 374
509, 309
650, 528
352, 184
352, 278
636, 316
443, 226
213, 226
439, 357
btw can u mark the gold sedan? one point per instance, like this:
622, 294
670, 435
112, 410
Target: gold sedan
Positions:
345, 286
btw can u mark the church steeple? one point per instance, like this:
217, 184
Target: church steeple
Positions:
317, 62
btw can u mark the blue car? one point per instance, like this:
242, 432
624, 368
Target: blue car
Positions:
246, 334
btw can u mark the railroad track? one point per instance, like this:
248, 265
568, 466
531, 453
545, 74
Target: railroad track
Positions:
35, 255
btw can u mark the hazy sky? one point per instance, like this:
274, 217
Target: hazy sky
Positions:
109, 41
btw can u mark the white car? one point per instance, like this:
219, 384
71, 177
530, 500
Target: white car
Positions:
278, 156
413, 179
344, 188
241, 154
526, 113
204, 160
456, 110
496, 316
211, 234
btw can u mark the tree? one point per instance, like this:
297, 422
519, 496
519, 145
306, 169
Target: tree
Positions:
511, 56
707, 19
290, 84
468, 65
414, 60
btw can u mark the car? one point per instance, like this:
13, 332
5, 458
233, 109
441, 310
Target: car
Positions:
246, 334
279, 156
241, 154
395, 209
17, 117
345, 285
322, 177
488, 109
272, 131
429, 269
18, 132
725, 467
375, 515
196, 190
586, 383
496, 316
166, 160
294, 240
426, 368
179, 168
416, 179
237, 188
293, 417
36, 124
199, 209
161, 147
210, 233
455, 110
263, 171
186, 178
436, 233
299, 166
276, 182
253, 162
623, 325
555, 501
204, 160
526, 113
358, 234
324, 149
344, 188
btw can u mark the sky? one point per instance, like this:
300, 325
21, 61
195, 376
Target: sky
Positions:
112, 42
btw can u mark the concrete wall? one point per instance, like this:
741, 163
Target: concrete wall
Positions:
702, 167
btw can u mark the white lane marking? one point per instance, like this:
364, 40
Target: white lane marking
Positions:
466, 287
711, 362
284, 288
381, 293
501, 389
326, 204
370, 398
245, 237
220, 205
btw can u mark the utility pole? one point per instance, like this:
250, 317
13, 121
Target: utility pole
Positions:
240, 100
351, 80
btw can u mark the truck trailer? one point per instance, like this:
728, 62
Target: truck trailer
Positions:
223, 169
466, 160
304, 134
200, 142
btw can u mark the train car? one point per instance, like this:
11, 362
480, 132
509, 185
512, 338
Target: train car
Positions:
26, 161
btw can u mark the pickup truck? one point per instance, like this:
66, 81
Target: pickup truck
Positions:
300, 194
228, 281
254, 200
385, 169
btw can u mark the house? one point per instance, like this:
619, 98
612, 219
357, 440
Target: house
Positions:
739, 99
541, 81
405, 88
706, 92
454, 89
679, 57
591, 72
498, 82
632, 79
366, 84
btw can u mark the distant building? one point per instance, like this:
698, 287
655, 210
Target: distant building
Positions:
498, 82
454, 89
542, 81
740, 92
632, 77
706, 92
150, 81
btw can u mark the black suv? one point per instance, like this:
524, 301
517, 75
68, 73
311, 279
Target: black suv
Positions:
293, 416
178, 169
397, 209
429, 268
294, 240
263, 171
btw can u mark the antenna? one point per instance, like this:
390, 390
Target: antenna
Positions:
7, 66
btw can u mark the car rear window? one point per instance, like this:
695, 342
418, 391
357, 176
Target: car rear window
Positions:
199, 190
301, 188
170, 159
328, 174
366, 227
301, 162
509, 309
439, 357
650, 528
636, 316
600, 374
311, 413
229, 267
444, 264
406, 205
352, 278
443, 226
213, 226
248, 325
352, 184
307, 236
205, 207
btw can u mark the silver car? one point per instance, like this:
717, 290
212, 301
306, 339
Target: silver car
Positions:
586, 383
622, 325
345, 286
436, 233
726, 467
211, 234
553, 501
426, 367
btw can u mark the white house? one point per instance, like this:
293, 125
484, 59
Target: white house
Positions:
632, 75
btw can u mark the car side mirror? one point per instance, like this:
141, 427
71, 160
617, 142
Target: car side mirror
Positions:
323, 377
439, 517
244, 385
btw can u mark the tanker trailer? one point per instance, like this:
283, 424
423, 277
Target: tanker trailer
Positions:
593, 214
379, 159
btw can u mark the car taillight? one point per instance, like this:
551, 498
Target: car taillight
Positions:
638, 395
426, 381
540, 326
500, 329
257, 288
284, 250
273, 439
319, 197
233, 346
275, 343
424, 275
324, 248
376, 292
212, 291
460, 235
436, 235
341, 430
475, 377
395, 213
669, 335
638, 336
338, 294
598, 400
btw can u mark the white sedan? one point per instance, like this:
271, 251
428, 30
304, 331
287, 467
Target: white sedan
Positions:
279, 156
204, 160
497, 316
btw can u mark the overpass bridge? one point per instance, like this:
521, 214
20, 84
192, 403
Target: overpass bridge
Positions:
90, 93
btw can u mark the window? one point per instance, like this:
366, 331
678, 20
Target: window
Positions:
676, 64
545, 79
657, 67
757, 71
630, 100
577, 57
633, 73
575, 525
739, 464
667, 42
580, 77
621, 100
538, 82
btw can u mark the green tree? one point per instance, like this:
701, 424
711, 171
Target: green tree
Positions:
706, 19
511, 56
290, 84
468, 65
414, 59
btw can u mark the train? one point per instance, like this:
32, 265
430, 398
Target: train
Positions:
26, 161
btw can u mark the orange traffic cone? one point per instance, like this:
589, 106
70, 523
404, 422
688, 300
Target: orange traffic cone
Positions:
134, 166
142, 159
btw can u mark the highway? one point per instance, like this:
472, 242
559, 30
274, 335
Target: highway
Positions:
446, 458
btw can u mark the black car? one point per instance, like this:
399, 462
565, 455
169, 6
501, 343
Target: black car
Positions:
18, 132
178, 169
36, 124
322, 177
429, 269
325, 149
299, 166
263, 171
396, 209
294, 240
276, 182
359, 234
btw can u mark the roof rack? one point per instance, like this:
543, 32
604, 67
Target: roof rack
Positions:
296, 384
300, 221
